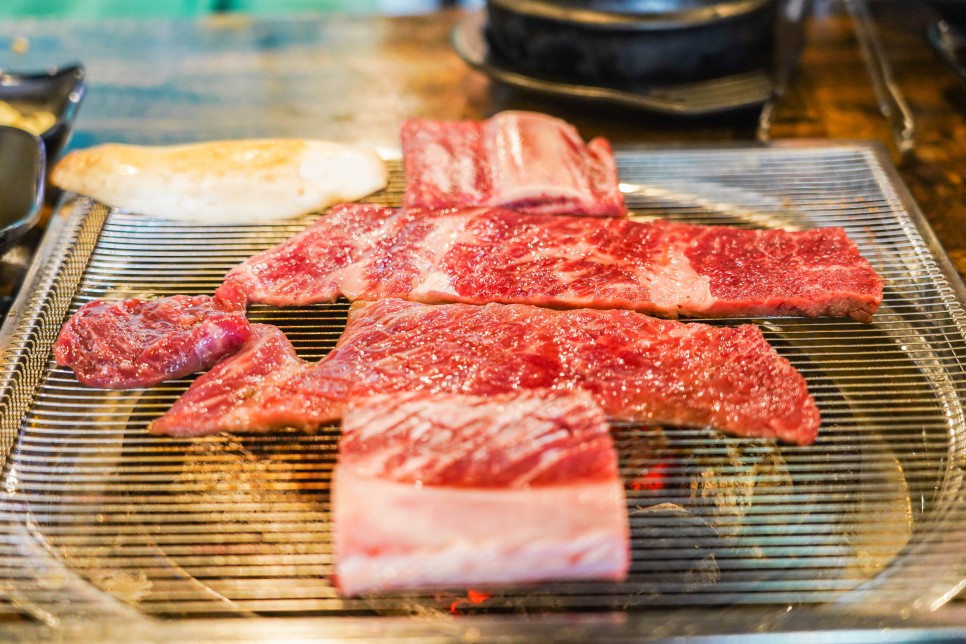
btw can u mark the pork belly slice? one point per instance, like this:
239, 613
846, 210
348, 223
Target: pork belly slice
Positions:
636, 368
449, 489
524, 161
139, 343
483, 255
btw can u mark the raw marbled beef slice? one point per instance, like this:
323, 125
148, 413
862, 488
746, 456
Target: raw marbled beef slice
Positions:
139, 343
456, 490
524, 161
636, 367
483, 255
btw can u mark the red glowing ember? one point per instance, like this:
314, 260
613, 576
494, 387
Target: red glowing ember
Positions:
654, 478
473, 598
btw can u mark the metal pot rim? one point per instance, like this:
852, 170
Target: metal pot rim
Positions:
644, 21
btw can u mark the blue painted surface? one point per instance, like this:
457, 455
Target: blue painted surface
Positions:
182, 8
232, 76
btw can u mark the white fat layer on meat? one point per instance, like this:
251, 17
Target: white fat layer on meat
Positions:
445, 234
471, 536
451, 173
675, 285
351, 279
471, 563
531, 158
436, 282
223, 181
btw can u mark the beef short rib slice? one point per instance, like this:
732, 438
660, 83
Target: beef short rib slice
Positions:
484, 255
524, 161
636, 368
306, 268
456, 490
139, 343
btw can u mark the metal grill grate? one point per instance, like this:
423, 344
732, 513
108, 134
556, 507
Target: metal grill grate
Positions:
97, 517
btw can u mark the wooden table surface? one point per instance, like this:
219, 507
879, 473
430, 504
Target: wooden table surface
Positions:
356, 78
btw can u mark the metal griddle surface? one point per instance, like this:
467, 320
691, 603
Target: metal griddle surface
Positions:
99, 520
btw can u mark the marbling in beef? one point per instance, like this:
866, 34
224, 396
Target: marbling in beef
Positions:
138, 343
456, 490
482, 255
636, 367
525, 161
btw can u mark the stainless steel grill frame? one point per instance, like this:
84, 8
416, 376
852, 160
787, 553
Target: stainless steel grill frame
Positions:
228, 536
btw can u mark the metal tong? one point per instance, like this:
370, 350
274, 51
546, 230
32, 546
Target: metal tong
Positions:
789, 42
891, 102
788, 47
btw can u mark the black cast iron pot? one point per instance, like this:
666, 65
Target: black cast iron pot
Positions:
632, 43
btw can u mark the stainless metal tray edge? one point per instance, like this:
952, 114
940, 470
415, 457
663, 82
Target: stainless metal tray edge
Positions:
60, 243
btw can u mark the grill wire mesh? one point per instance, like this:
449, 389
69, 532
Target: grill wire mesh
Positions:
98, 517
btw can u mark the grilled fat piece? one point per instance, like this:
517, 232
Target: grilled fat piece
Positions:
223, 181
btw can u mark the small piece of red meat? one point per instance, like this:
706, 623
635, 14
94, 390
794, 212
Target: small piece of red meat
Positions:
483, 255
139, 343
524, 161
636, 367
456, 490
